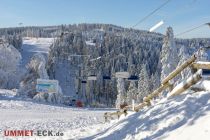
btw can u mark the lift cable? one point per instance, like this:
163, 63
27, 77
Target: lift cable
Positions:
150, 14
192, 29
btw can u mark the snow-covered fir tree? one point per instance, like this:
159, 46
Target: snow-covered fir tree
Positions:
125, 49
121, 92
36, 70
169, 55
143, 84
203, 55
131, 94
183, 56
9, 60
154, 81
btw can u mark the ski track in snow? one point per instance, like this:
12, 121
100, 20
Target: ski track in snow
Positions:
34, 45
17, 114
171, 118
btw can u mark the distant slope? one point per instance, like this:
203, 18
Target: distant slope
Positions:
34, 45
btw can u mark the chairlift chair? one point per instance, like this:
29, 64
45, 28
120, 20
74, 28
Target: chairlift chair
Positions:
206, 73
122, 74
106, 77
92, 77
133, 78
84, 81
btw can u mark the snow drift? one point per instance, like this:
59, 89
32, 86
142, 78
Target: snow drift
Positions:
173, 118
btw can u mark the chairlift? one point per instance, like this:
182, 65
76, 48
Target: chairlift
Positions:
92, 77
93, 40
205, 73
122, 74
84, 81
133, 78
106, 77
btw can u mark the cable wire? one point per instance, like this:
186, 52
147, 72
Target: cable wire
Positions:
189, 30
150, 14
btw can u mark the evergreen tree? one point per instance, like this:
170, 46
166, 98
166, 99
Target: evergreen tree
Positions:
143, 84
9, 59
121, 92
169, 56
183, 56
131, 94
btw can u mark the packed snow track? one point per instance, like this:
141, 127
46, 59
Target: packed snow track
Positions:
17, 114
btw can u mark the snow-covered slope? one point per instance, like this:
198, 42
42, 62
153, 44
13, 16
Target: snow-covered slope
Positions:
182, 117
186, 116
35, 45
17, 114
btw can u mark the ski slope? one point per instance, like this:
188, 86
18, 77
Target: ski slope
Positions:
186, 116
64, 73
34, 45
182, 117
18, 114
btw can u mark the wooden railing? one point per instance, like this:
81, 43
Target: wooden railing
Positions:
180, 88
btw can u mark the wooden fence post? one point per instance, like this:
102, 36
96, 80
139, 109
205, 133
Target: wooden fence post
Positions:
186, 84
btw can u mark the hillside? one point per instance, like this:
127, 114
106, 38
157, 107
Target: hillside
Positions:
85, 59
181, 117
169, 119
72, 58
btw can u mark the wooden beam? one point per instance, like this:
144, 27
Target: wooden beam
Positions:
201, 65
156, 92
179, 69
180, 88
140, 106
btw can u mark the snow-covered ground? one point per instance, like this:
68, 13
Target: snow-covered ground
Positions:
34, 45
17, 114
186, 116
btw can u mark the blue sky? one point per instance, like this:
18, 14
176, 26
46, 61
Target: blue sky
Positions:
180, 14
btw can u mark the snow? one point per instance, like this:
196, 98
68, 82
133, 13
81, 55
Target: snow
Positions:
175, 118
122, 74
190, 131
17, 114
35, 45
9, 60
183, 83
181, 117
90, 43
203, 62
203, 84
